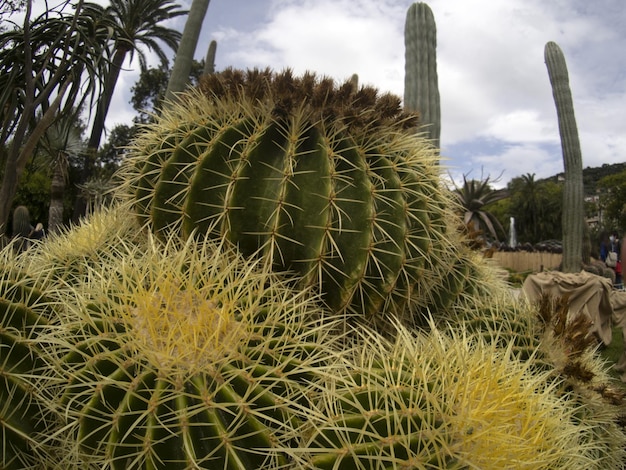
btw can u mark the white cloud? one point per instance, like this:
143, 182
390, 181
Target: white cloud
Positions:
497, 106
521, 125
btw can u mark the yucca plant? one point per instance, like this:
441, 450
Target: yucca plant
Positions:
322, 179
183, 356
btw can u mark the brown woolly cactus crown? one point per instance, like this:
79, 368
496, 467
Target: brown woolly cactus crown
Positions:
354, 107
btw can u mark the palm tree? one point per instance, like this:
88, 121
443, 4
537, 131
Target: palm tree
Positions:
472, 197
138, 25
531, 208
61, 141
48, 65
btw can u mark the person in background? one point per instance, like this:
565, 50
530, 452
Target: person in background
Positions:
610, 249
37, 233
605, 245
615, 247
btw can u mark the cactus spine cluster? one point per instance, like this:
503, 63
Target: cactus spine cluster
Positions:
421, 85
321, 180
24, 314
175, 336
438, 401
183, 357
573, 195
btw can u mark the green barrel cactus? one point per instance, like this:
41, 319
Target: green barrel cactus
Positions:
321, 180
437, 401
184, 356
24, 314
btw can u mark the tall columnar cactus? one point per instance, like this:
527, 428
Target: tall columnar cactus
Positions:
179, 77
421, 86
209, 63
184, 356
321, 180
573, 197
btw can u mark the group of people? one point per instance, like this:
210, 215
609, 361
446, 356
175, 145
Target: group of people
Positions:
610, 253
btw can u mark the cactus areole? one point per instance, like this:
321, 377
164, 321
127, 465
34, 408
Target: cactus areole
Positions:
320, 179
573, 196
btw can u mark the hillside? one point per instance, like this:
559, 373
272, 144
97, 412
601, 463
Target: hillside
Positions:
591, 176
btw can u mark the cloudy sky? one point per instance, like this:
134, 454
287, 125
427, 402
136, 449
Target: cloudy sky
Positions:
498, 114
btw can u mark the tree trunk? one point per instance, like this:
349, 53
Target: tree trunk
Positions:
102, 110
186, 49
57, 191
97, 129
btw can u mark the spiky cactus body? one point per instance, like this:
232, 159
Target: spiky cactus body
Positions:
184, 357
323, 181
24, 314
67, 256
435, 401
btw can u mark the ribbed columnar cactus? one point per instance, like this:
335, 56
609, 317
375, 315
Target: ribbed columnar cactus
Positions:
421, 85
209, 63
322, 180
573, 196
184, 356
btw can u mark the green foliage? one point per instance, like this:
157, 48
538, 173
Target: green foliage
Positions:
113, 151
537, 207
612, 190
473, 198
68, 53
149, 90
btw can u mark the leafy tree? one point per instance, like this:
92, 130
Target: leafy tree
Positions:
473, 198
61, 141
613, 200
149, 91
9, 8
536, 207
50, 65
113, 150
138, 24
